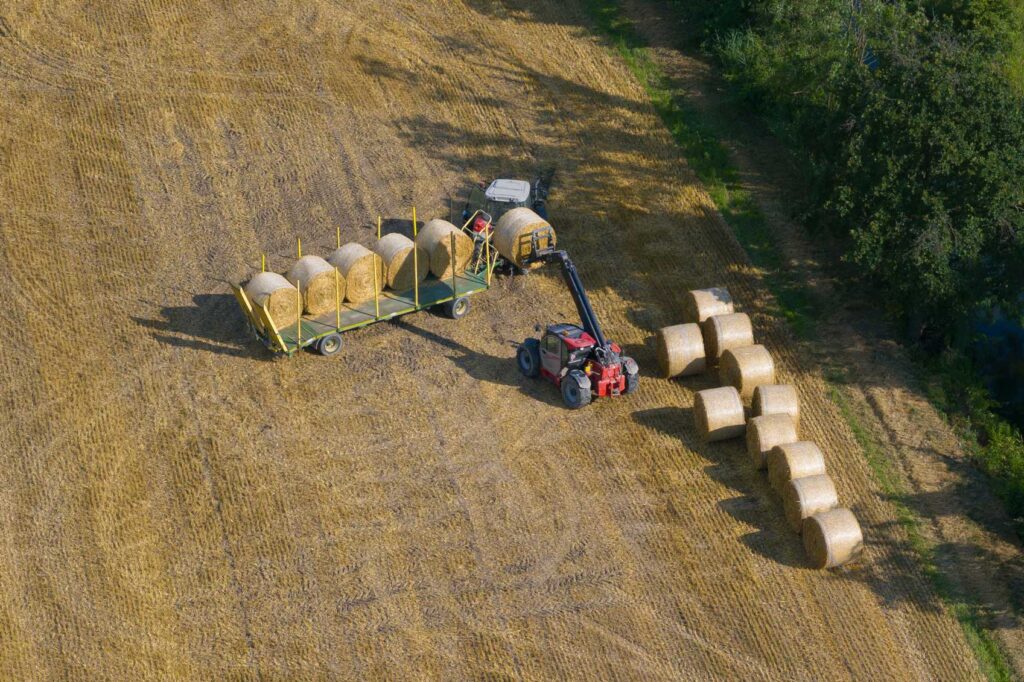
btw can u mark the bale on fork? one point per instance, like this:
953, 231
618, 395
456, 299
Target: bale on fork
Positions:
791, 461
315, 278
718, 413
276, 294
724, 332
680, 350
747, 368
512, 234
402, 270
436, 239
776, 399
831, 538
700, 304
356, 264
764, 433
807, 496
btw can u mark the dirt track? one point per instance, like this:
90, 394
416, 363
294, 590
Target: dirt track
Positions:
176, 503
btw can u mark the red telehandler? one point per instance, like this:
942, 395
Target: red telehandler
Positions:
576, 358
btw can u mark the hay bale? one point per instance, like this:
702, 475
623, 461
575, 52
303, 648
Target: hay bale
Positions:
512, 233
700, 304
315, 279
790, 461
680, 350
832, 538
747, 368
804, 497
776, 399
723, 332
276, 294
436, 239
400, 269
764, 433
356, 264
718, 413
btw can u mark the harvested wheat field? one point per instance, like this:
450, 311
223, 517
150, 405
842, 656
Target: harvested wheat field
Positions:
178, 504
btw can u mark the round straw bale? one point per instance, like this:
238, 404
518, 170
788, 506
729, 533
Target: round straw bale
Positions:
700, 304
747, 368
722, 332
315, 278
832, 538
776, 399
276, 294
790, 461
764, 433
356, 264
803, 497
512, 233
680, 350
718, 413
401, 270
436, 239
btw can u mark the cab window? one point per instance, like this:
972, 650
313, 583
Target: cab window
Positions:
553, 344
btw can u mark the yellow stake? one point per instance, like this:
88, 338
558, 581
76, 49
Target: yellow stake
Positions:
298, 307
300, 247
338, 239
376, 290
337, 298
487, 257
413, 221
378, 227
263, 262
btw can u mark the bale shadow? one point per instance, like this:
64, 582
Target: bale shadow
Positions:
213, 324
728, 464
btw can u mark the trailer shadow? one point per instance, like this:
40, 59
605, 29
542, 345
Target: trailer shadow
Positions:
756, 505
492, 369
212, 324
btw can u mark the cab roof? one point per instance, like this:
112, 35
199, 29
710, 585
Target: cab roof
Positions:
509, 191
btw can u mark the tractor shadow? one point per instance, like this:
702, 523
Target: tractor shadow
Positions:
757, 505
213, 324
492, 369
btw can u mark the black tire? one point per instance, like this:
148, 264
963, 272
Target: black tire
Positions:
576, 390
329, 345
632, 374
528, 358
457, 308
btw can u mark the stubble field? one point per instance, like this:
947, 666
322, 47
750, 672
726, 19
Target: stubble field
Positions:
175, 503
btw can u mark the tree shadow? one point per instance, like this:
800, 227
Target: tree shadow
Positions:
214, 324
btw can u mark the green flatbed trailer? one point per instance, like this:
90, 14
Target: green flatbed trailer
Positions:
322, 332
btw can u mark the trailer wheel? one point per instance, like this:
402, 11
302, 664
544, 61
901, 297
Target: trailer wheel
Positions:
576, 390
528, 358
457, 308
329, 345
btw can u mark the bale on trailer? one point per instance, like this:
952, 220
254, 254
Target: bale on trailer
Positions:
776, 399
356, 264
401, 271
803, 497
700, 304
276, 294
512, 234
724, 332
718, 413
316, 279
764, 433
832, 538
436, 239
747, 368
790, 461
680, 350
